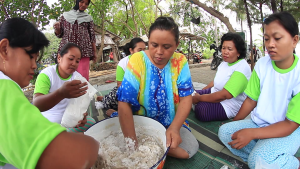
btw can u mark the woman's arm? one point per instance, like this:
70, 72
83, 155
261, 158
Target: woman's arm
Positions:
69, 150
119, 83
183, 110
46, 102
246, 109
71, 89
56, 27
59, 27
126, 121
216, 97
210, 85
281, 129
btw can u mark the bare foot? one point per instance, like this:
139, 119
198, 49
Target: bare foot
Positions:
110, 111
99, 98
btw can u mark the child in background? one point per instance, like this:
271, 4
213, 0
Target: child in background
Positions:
272, 134
55, 85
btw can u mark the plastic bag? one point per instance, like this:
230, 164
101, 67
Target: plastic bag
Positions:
261, 164
78, 106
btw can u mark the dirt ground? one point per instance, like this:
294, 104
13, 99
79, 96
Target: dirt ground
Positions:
200, 73
203, 74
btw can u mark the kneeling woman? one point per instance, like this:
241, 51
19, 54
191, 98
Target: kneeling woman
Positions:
56, 84
222, 98
157, 84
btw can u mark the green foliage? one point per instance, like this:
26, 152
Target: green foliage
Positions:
237, 7
36, 73
52, 49
32, 10
117, 14
208, 53
99, 8
183, 12
292, 6
120, 17
58, 8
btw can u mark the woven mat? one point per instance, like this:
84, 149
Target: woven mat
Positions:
212, 154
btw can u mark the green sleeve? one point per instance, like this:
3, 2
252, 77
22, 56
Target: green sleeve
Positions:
25, 132
253, 87
42, 84
236, 84
293, 112
120, 73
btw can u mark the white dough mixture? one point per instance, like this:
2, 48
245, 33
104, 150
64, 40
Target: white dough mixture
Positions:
118, 152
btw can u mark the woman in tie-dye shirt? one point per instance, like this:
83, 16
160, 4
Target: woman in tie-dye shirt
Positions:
157, 84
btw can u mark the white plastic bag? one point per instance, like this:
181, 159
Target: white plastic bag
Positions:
78, 106
261, 164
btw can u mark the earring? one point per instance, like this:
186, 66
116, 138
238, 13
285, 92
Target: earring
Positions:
4, 66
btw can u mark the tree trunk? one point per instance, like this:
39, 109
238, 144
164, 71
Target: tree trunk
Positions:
100, 52
157, 8
39, 16
141, 20
32, 10
115, 53
133, 18
242, 25
281, 5
250, 28
262, 24
215, 24
216, 14
216, 32
273, 6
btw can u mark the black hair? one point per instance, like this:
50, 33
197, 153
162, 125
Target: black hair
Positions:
132, 45
286, 20
21, 33
65, 49
165, 23
238, 42
76, 7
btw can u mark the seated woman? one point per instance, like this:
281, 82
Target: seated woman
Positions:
110, 100
273, 95
157, 84
55, 85
222, 98
28, 140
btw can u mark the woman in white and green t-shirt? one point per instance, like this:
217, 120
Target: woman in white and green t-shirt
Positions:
110, 100
272, 135
223, 97
56, 84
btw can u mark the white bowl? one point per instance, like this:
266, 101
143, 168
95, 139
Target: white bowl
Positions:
112, 124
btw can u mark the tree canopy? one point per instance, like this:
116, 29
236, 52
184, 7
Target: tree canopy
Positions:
132, 18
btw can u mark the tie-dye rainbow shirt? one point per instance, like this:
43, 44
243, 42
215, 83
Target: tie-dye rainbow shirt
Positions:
155, 90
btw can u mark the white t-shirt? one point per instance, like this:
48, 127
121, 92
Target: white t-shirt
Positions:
49, 81
234, 78
274, 89
121, 68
